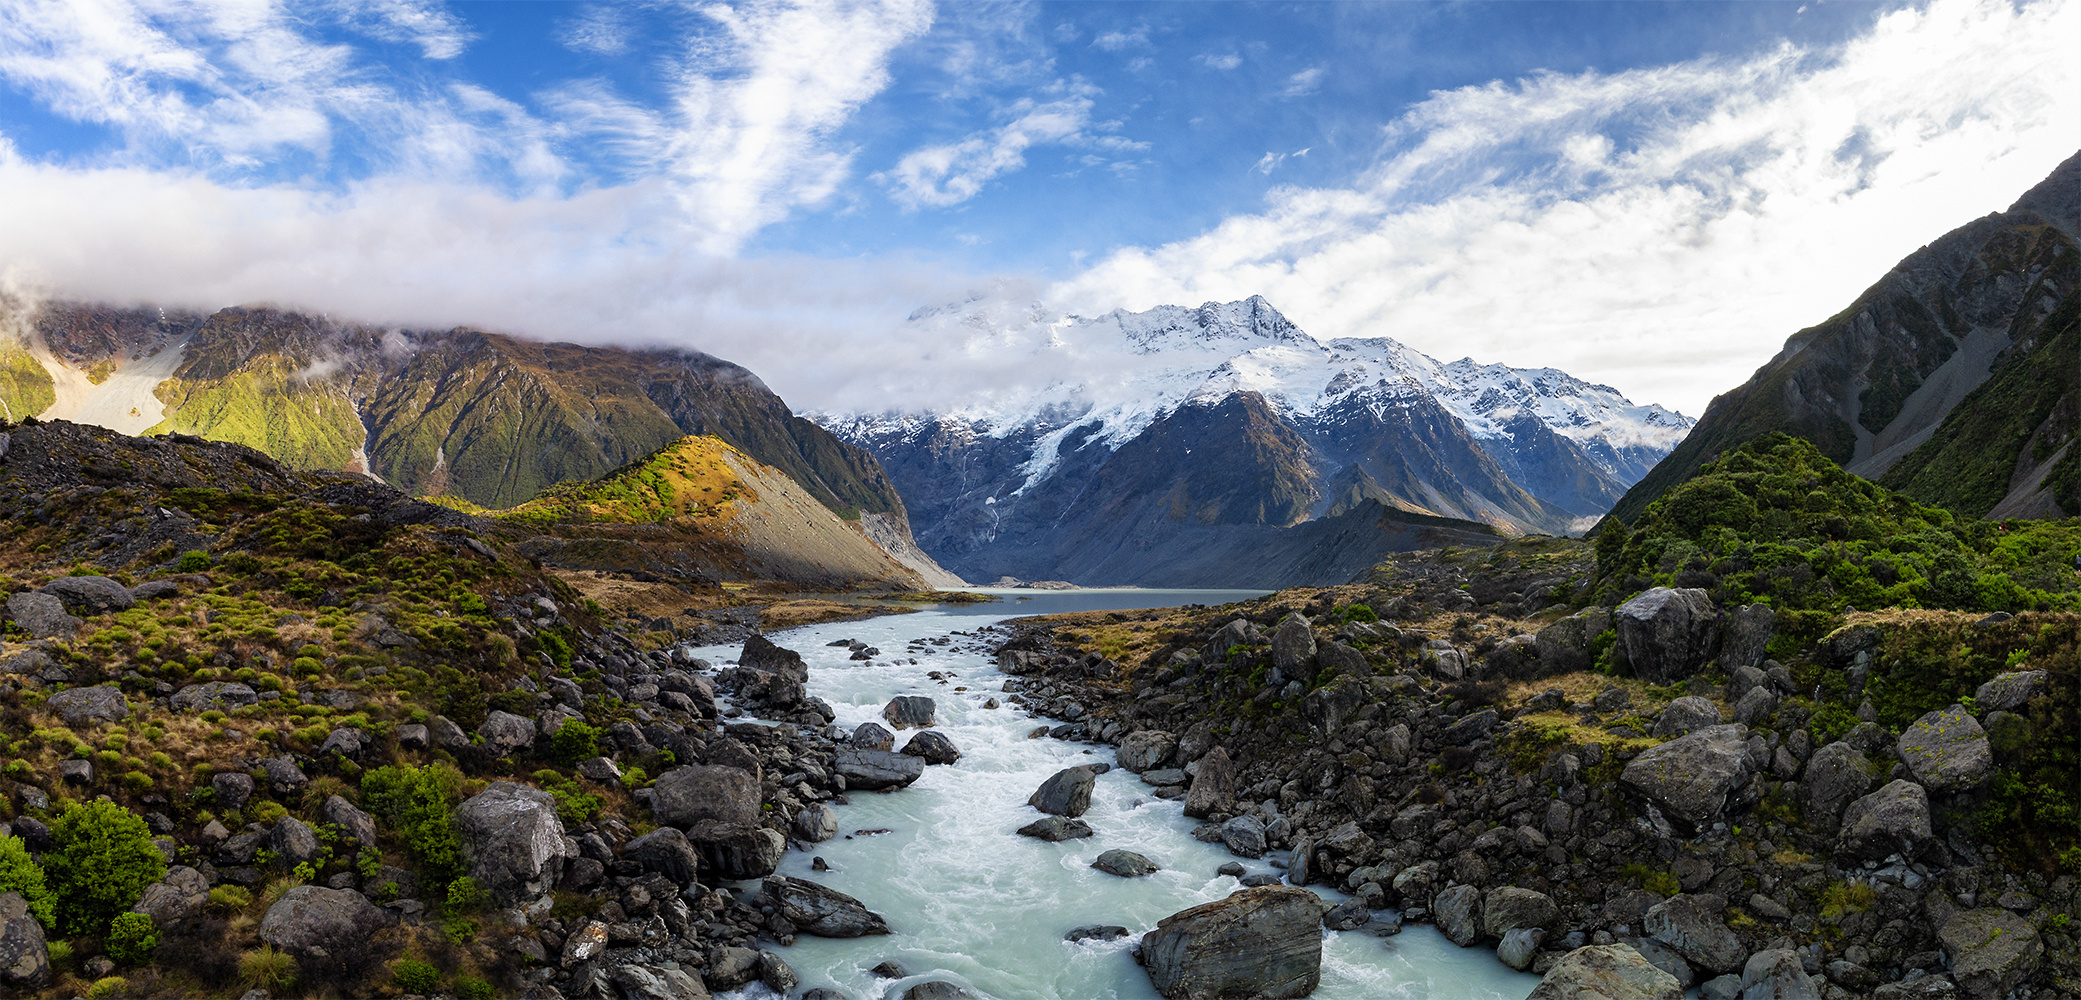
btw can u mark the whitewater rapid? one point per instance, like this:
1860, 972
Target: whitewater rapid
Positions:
970, 901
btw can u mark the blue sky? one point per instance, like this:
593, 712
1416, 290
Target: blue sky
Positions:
1650, 195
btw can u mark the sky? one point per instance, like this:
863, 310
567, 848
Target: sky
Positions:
1652, 196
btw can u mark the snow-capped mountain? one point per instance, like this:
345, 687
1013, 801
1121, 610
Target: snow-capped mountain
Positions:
1024, 482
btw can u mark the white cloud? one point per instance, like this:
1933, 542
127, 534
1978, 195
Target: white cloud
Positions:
1223, 61
1270, 161
1121, 41
428, 25
1664, 229
939, 176
1303, 83
600, 29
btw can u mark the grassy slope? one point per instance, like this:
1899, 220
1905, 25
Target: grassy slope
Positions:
310, 425
688, 478
25, 388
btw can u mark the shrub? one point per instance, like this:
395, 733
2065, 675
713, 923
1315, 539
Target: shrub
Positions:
575, 741
195, 561
573, 804
229, 898
20, 873
132, 937
417, 802
102, 861
267, 969
415, 976
473, 988
106, 989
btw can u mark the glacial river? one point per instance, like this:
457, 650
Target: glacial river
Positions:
970, 901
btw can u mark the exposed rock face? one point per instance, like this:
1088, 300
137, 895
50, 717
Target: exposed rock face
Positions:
90, 595
735, 851
1606, 972
666, 851
84, 705
1692, 777
824, 912
1748, 631
1214, 788
1126, 864
2009, 691
1777, 974
313, 921
1066, 793
874, 770
933, 748
1693, 927
505, 732
512, 841
25, 958
220, 695
42, 616
1991, 951
684, 796
910, 711
1510, 907
1668, 634
1947, 750
1894, 819
1685, 716
1835, 776
1458, 913
1146, 750
1264, 942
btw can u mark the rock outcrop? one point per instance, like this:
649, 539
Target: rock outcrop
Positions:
512, 841
1264, 942
1606, 972
822, 911
1668, 634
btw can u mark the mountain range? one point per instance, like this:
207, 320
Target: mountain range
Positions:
1194, 436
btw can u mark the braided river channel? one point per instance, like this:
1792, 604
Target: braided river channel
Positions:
971, 902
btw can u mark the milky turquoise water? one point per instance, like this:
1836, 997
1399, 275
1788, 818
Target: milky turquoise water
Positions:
971, 901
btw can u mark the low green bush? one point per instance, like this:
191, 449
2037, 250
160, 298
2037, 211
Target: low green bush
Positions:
100, 863
132, 938
414, 976
20, 873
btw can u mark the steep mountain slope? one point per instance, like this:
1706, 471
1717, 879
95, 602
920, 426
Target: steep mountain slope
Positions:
489, 418
1950, 378
1229, 415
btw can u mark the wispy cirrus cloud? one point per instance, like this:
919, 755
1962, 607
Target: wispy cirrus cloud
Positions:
943, 175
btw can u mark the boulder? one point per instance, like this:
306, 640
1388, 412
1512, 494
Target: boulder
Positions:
1239, 632
232, 789
1892, 820
42, 616
1665, 958
933, 747
1777, 974
1457, 912
283, 775
293, 842
1693, 777
512, 842
1685, 716
1348, 915
601, 770
1564, 646
1668, 634
2009, 691
910, 711
734, 852
687, 795
871, 736
1066, 793
1510, 907
1991, 951
1293, 649
1756, 707
351, 821
1514, 659
1835, 776
1330, 706
1146, 750
1605, 972
1126, 864
505, 733
84, 705
874, 770
220, 695
1748, 631
1470, 728
25, 957
777, 974
938, 989
1442, 660
822, 911
1692, 927
90, 595
1264, 942
1519, 947
1244, 836
666, 851
644, 982
1214, 787
815, 823
1947, 751
176, 897
312, 921
762, 655
1055, 829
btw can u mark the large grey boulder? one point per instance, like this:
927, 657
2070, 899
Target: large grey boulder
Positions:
1213, 787
25, 957
83, 705
90, 595
871, 736
1146, 750
645, 982
1239, 632
874, 770
938, 989
312, 921
910, 711
176, 897
666, 851
687, 795
1693, 927
762, 655
42, 616
932, 747
220, 695
1293, 649
232, 789
1777, 974
1748, 631
1457, 912
734, 851
1510, 907
1991, 950
505, 732
350, 820
1520, 947
1244, 836
1066, 793
1564, 646
1056, 829
1892, 820
2009, 691
1685, 716
1947, 751
1264, 942
1668, 634
1330, 706
1606, 972
512, 841
293, 842
1125, 863
1693, 777
1835, 776
822, 911
815, 823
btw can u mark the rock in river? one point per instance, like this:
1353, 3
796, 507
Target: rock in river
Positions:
821, 911
1055, 829
1126, 864
1264, 942
873, 770
1066, 793
1606, 972
910, 711
1214, 787
934, 747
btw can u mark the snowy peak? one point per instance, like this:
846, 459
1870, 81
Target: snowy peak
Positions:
1223, 327
1488, 397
